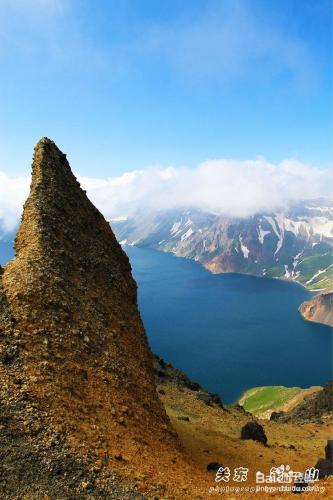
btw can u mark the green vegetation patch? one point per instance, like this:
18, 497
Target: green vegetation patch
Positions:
310, 265
277, 271
269, 398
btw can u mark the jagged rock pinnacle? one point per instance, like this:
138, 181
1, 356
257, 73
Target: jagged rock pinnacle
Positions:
70, 299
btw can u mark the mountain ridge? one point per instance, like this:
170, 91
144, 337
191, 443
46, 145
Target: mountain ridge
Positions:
295, 246
272, 244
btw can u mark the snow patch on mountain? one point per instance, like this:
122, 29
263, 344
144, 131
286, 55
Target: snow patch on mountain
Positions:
287, 274
244, 248
318, 273
297, 227
261, 234
275, 228
278, 230
296, 259
326, 210
187, 234
175, 228
321, 225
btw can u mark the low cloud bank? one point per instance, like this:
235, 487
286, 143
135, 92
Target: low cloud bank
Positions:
238, 188
13, 192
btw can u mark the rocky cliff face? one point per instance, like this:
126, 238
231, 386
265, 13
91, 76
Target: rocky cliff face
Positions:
316, 407
76, 371
295, 245
319, 309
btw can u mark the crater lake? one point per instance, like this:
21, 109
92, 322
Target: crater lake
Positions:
229, 332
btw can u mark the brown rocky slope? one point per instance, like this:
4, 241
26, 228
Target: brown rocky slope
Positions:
319, 309
76, 371
316, 407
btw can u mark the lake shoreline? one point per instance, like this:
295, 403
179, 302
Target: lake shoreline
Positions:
222, 329
313, 293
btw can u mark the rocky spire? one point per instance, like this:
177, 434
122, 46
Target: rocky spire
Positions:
70, 303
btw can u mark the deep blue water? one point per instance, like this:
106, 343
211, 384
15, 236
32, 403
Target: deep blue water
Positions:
229, 332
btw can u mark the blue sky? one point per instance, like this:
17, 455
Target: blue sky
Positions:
123, 84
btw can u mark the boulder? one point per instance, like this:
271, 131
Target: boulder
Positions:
329, 450
205, 398
214, 466
184, 418
255, 431
325, 467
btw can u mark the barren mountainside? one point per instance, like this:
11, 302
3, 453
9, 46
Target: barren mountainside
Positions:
295, 244
315, 407
319, 309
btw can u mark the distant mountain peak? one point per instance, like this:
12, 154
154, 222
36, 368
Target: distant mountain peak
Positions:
294, 244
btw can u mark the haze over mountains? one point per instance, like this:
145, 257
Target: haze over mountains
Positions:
295, 245
232, 216
227, 187
293, 241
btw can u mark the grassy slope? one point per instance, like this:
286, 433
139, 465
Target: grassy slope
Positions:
309, 267
213, 435
262, 401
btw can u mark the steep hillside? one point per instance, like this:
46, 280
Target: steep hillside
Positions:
77, 386
319, 309
211, 433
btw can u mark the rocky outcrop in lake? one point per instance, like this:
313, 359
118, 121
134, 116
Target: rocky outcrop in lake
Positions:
319, 309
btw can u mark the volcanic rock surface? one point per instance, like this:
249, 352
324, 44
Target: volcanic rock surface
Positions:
76, 371
319, 309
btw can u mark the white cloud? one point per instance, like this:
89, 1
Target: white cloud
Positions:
232, 187
239, 188
13, 192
